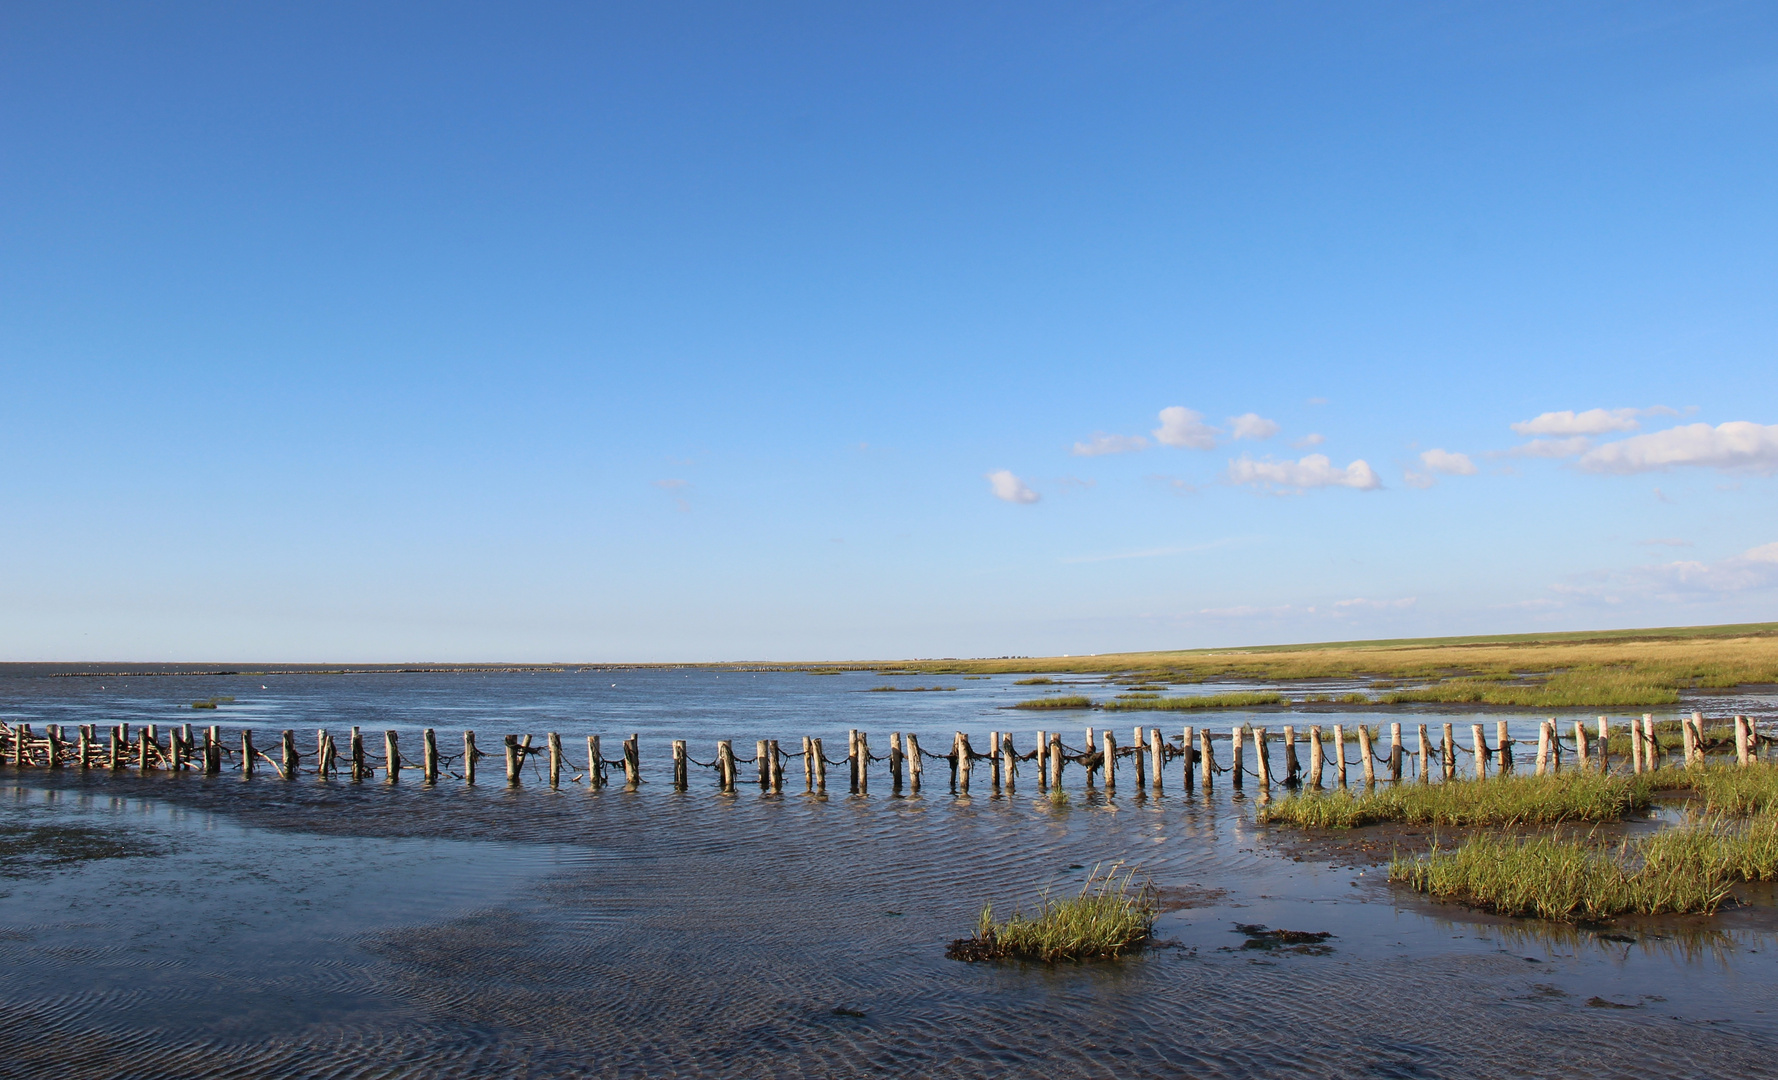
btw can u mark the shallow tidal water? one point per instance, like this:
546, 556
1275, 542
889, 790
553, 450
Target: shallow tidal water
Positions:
337, 929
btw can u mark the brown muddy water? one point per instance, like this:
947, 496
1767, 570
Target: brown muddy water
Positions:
215, 927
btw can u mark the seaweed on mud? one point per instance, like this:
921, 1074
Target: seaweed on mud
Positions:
1298, 942
30, 849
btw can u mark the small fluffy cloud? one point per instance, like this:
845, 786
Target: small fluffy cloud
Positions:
1184, 427
1311, 472
1738, 446
1437, 462
1010, 488
1591, 422
1102, 443
1252, 426
1573, 446
1313, 438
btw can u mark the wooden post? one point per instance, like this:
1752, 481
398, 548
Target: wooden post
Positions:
1157, 757
1136, 765
1188, 743
1110, 744
633, 760
54, 734
429, 755
1479, 751
1008, 759
1043, 761
1741, 756
1635, 746
146, 744
595, 763
777, 767
1292, 773
680, 779
1262, 758
1364, 751
966, 755
325, 753
391, 757
213, 750
470, 753
725, 764
1604, 745
86, 746
186, 742
287, 755
1425, 765
1339, 743
1543, 748
820, 767
357, 749
511, 743
1651, 748
118, 753
916, 767
1235, 756
1505, 747
1582, 760
1057, 760
764, 763
852, 760
1092, 748
1317, 756
1206, 757
1555, 746
1395, 752
863, 762
808, 765
895, 762
994, 769
247, 762
553, 743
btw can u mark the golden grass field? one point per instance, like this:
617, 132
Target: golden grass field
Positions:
1606, 668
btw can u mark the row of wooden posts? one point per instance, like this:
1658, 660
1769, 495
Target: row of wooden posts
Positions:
1148, 753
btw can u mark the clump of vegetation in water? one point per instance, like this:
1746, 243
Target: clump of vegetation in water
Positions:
1237, 699
1685, 870
910, 689
1111, 915
1040, 680
1066, 701
1510, 800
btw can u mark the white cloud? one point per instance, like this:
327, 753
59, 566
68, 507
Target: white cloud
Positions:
1311, 439
1181, 426
1252, 426
1448, 463
1573, 446
1102, 443
1010, 488
1740, 446
1591, 422
1312, 471
1755, 568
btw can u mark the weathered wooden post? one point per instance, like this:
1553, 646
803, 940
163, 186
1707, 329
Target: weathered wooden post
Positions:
1089, 757
1317, 756
1505, 747
1741, 756
1008, 759
1395, 752
470, 753
327, 753
321, 753
1425, 765
916, 767
1581, 757
1235, 756
86, 746
1364, 751
1447, 754
1043, 761
966, 755
553, 744
820, 767
777, 767
1188, 742
863, 762
633, 760
1479, 751
595, 764
186, 743
725, 764
895, 762
511, 743
764, 762
1206, 758
1604, 745
1292, 772
1157, 758
808, 765
53, 734
1057, 760
119, 753
1651, 747
391, 757
1262, 757
1555, 746
147, 747
356, 747
1339, 744
247, 755
287, 755
1110, 761
680, 778
994, 769
1136, 765
1543, 748
1635, 747
429, 755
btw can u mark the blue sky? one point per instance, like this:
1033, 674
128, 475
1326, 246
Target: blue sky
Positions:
652, 332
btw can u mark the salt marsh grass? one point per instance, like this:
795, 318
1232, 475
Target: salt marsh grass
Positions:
1235, 700
1111, 914
1063, 701
1511, 800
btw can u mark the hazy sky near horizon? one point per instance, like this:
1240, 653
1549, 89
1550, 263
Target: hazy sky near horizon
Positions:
721, 331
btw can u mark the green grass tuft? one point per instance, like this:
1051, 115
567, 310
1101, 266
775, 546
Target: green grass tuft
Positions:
1067, 701
1111, 914
1512, 800
1232, 700
1040, 680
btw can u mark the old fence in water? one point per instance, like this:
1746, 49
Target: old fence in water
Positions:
1645, 745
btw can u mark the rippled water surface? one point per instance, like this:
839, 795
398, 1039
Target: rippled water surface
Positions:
331, 928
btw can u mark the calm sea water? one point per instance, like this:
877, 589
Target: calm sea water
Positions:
312, 928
